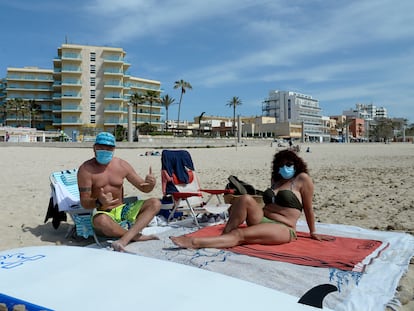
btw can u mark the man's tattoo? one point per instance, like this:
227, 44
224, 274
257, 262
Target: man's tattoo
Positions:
85, 189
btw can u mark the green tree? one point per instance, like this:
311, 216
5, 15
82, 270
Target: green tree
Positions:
3, 111
135, 100
30, 109
152, 97
183, 85
120, 132
167, 101
146, 128
382, 130
410, 130
15, 105
233, 103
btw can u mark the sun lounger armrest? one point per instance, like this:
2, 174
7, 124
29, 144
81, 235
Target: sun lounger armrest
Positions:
185, 195
220, 191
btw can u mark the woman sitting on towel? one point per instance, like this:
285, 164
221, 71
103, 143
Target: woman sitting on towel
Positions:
275, 223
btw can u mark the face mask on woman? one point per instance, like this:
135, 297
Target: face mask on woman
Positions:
287, 172
104, 156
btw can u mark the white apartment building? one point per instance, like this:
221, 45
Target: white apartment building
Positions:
367, 112
293, 107
88, 90
33, 86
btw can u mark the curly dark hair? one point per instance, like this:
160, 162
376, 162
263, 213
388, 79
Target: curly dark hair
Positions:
280, 159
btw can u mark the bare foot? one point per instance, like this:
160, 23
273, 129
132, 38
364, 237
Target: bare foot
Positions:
118, 247
183, 241
146, 238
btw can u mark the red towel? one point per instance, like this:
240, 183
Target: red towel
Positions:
341, 253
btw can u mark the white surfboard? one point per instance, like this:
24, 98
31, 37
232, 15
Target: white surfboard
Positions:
80, 278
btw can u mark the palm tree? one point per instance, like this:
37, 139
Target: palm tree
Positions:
135, 100
183, 85
152, 97
34, 110
3, 111
343, 125
29, 108
234, 102
25, 110
16, 105
199, 122
166, 101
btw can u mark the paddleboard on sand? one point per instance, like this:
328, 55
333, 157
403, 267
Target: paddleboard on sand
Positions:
81, 278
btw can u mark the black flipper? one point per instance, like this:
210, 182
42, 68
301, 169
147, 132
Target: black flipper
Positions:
314, 297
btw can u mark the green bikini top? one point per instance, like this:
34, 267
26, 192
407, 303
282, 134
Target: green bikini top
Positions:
287, 198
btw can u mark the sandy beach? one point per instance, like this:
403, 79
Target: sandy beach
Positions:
365, 185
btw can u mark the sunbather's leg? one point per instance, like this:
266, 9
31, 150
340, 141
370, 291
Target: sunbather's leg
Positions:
149, 209
244, 208
106, 226
265, 233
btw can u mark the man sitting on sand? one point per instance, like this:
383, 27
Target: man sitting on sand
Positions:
100, 182
275, 223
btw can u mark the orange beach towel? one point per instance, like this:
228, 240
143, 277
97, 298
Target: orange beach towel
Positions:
342, 253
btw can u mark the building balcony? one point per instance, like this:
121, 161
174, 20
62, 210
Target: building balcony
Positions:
114, 121
113, 85
57, 110
74, 83
71, 121
71, 108
115, 109
71, 96
126, 65
31, 88
71, 70
113, 59
145, 87
113, 97
71, 56
45, 107
112, 72
29, 77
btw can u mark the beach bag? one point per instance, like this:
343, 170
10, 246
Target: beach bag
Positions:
240, 187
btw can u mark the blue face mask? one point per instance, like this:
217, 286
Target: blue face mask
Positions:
287, 172
104, 156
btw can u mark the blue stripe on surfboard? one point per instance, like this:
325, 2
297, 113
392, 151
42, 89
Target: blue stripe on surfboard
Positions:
10, 302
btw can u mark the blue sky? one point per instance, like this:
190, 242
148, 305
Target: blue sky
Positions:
341, 52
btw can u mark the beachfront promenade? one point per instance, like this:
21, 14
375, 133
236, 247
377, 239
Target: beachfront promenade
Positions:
157, 143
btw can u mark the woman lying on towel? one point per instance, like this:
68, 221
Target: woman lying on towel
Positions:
275, 223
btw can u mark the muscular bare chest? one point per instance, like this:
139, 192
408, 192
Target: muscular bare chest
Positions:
111, 180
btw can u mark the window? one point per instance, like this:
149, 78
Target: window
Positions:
93, 69
289, 109
93, 120
92, 93
93, 56
93, 81
92, 106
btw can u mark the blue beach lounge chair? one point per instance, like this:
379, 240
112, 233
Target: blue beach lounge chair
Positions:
65, 200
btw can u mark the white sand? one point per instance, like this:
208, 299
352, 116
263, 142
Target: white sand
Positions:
365, 185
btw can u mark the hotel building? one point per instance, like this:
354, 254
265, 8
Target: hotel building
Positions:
88, 90
292, 107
